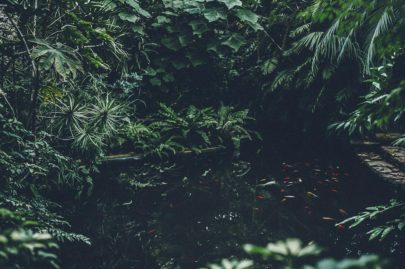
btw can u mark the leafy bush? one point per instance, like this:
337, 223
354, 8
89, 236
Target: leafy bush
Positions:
33, 171
382, 108
386, 220
290, 254
192, 128
21, 248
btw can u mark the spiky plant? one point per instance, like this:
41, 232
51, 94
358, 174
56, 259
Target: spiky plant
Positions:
107, 115
69, 115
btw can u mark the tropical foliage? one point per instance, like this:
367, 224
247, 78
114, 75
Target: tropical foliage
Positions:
82, 82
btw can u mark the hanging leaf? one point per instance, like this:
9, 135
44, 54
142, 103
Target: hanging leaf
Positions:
235, 41
250, 18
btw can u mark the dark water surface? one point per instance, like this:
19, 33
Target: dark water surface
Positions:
188, 213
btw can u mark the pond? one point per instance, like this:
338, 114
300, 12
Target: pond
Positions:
190, 212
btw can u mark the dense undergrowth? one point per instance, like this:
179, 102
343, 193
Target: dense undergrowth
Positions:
80, 80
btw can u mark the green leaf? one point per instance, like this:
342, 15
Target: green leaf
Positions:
171, 43
179, 64
214, 14
168, 77
386, 232
62, 58
184, 40
155, 82
196, 59
162, 20
231, 3
128, 17
269, 66
199, 27
250, 18
138, 29
247, 15
135, 5
235, 41
374, 233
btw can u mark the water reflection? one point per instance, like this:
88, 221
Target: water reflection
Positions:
187, 213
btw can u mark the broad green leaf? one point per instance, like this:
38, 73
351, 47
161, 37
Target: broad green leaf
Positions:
138, 29
135, 5
231, 3
235, 41
61, 57
162, 20
247, 15
214, 14
250, 18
